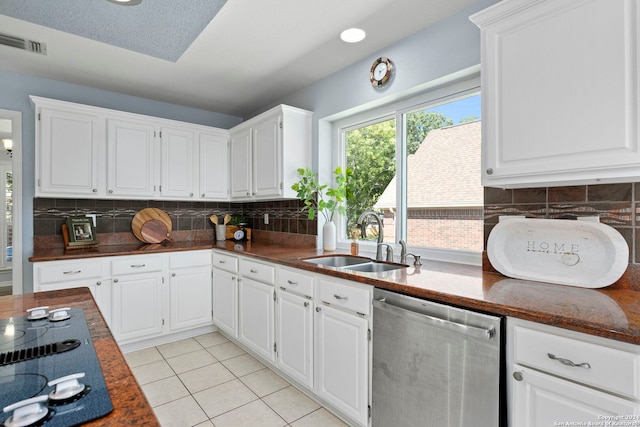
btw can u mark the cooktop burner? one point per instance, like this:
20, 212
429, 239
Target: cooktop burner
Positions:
52, 363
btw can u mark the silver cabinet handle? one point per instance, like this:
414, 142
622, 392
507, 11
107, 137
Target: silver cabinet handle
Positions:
517, 375
95, 190
306, 304
202, 195
292, 282
338, 297
221, 261
567, 362
234, 278
98, 283
254, 271
115, 280
318, 309
138, 265
110, 191
173, 274
72, 272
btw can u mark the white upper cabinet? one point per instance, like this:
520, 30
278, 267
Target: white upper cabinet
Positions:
130, 159
241, 164
214, 165
559, 92
266, 152
68, 144
179, 161
91, 152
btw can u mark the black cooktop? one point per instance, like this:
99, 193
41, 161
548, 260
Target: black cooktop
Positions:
34, 353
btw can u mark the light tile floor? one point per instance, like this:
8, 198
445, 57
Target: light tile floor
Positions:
209, 381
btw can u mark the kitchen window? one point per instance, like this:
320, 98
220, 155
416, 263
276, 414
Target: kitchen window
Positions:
418, 166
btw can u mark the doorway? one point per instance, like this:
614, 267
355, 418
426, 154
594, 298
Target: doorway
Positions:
10, 202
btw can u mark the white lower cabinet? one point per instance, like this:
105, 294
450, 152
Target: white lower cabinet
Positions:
556, 375
190, 302
145, 299
225, 293
137, 307
294, 324
93, 274
256, 313
341, 361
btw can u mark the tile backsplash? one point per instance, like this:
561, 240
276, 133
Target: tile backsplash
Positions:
617, 205
115, 216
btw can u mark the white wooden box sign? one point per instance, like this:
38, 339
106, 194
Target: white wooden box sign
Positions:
583, 253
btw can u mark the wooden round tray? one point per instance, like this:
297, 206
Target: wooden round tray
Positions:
151, 225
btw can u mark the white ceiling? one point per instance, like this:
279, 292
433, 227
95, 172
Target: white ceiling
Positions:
251, 54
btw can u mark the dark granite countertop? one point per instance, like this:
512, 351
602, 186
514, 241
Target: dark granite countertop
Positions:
611, 312
130, 407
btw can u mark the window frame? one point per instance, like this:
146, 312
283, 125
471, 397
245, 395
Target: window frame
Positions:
441, 94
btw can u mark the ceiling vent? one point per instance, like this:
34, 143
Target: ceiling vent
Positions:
20, 43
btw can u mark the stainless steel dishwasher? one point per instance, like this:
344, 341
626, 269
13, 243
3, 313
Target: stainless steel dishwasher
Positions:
434, 365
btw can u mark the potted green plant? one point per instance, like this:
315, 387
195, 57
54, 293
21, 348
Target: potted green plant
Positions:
323, 199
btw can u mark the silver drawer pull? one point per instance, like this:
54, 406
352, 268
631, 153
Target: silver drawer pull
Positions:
221, 261
292, 282
338, 297
254, 271
138, 265
72, 272
568, 362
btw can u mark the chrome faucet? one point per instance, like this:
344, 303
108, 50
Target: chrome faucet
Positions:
389, 252
363, 229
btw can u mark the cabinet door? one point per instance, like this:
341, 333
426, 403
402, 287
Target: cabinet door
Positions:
225, 301
103, 297
130, 158
341, 361
179, 164
267, 158
542, 83
256, 313
137, 307
69, 149
214, 167
241, 164
544, 400
190, 298
294, 337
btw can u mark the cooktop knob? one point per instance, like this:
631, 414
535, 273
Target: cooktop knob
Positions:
67, 389
59, 314
28, 412
37, 313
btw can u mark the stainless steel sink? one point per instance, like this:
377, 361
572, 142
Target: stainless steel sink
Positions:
339, 260
355, 263
374, 267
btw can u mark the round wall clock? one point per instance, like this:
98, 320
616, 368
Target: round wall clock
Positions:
381, 72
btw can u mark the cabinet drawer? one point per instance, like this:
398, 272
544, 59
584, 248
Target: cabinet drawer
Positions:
225, 262
296, 282
345, 295
68, 271
189, 259
257, 271
612, 369
135, 264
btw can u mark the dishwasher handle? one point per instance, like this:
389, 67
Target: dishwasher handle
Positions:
469, 330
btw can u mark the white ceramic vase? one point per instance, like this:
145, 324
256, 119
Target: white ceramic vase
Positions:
329, 236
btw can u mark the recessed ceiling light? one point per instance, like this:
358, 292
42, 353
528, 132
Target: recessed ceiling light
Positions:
353, 35
126, 2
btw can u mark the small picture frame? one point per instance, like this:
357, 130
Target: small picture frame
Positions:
81, 231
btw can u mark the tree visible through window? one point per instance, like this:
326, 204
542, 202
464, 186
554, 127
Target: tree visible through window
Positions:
443, 197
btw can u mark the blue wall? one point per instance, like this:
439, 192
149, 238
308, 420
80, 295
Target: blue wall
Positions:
421, 60
14, 95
